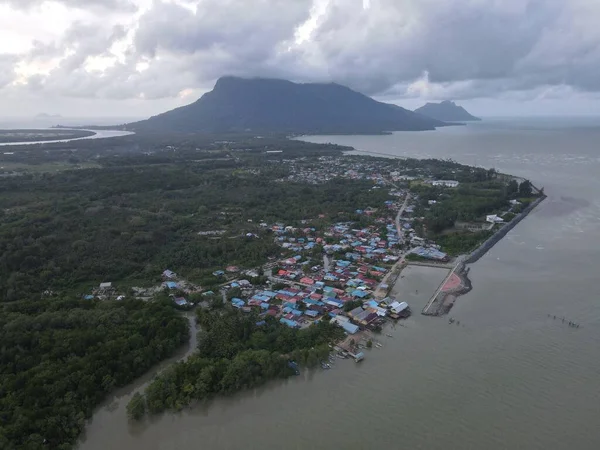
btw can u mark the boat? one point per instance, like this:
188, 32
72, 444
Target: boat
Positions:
388, 335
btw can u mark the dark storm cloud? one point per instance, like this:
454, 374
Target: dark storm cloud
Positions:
396, 41
231, 36
480, 45
467, 48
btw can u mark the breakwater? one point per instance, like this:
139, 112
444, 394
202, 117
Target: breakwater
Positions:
487, 245
443, 300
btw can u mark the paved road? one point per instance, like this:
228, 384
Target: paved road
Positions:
400, 211
439, 289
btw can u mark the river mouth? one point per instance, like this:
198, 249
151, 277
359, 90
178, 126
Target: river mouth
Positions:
114, 408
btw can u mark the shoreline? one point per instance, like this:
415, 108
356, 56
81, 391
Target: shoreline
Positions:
451, 289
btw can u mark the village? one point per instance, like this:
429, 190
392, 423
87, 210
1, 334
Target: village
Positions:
341, 272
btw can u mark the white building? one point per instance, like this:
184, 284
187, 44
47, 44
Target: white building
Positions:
445, 183
493, 218
398, 307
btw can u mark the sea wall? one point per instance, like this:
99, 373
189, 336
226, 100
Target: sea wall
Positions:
442, 301
487, 245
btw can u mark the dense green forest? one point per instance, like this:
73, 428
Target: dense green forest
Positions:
235, 351
484, 193
470, 202
59, 359
151, 148
61, 231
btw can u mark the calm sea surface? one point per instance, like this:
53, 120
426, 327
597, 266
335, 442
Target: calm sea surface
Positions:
509, 377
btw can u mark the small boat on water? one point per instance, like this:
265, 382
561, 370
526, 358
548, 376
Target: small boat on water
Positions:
388, 335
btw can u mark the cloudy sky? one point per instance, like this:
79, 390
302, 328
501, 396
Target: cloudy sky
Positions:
135, 58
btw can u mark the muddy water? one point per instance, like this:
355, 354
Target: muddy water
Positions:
509, 377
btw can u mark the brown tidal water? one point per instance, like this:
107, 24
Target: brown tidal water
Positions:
509, 377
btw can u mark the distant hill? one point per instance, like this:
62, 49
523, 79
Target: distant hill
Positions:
446, 111
272, 105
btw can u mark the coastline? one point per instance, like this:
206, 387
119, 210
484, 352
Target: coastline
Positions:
452, 288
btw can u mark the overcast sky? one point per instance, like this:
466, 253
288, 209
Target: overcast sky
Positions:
136, 58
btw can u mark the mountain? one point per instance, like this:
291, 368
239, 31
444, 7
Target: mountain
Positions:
446, 111
272, 105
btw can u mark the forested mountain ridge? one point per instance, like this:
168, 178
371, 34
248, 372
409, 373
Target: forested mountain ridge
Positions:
274, 105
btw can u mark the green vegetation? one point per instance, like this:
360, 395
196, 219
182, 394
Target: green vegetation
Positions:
59, 359
525, 189
209, 150
459, 243
136, 408
415, 257
469, 202
70, 230
234, 352
484, 193
350, 305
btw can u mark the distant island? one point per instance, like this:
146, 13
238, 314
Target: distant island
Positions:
446, 111
281, 106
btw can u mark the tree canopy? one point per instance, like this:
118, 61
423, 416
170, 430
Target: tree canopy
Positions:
59, 359
235, 351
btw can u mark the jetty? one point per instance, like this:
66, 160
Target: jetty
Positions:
457, 282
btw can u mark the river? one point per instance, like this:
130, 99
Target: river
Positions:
100, 134
507, 377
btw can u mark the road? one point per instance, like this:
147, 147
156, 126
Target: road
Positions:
439, 289
326, 263
400, 211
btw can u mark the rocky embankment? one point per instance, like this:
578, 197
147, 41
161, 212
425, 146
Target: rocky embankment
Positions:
458, 282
